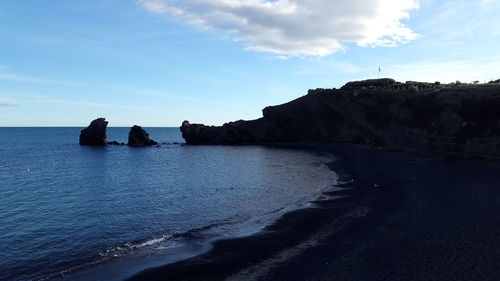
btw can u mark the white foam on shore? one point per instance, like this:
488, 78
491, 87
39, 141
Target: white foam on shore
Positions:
128, 247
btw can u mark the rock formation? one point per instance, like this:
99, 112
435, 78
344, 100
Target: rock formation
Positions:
457, 121
139, 137
115, 143
370, 83
95, 133
238, 132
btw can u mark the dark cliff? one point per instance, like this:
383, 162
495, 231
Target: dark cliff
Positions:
454, 120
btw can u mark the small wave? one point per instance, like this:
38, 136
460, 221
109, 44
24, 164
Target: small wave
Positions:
109, 254
343, 181
198, 231
130, 246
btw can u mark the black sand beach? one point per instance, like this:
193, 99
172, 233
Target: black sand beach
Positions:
403, 217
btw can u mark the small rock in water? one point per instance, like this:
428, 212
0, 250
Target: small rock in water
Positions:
139, 137
95, 133
115, 143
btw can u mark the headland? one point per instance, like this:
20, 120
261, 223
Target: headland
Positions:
452, 120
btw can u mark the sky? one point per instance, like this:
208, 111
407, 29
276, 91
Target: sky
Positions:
160, 62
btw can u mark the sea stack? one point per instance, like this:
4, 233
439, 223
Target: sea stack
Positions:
139, 137
95, 133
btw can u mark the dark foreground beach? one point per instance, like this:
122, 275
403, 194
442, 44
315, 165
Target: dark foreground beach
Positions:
402, 217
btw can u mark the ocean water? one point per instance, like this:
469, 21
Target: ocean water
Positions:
69, 212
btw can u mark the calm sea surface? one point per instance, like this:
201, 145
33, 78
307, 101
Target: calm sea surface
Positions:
103, 213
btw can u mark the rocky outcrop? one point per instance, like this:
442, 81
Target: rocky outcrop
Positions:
457, 121
230, 133
369, 83
95, 133
115, 143
139, 137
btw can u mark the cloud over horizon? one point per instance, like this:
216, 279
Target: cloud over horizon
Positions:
28, 79
297, 27
7, 102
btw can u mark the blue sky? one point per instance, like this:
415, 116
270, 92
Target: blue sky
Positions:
159, 62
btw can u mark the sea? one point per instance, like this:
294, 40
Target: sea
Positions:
71, 212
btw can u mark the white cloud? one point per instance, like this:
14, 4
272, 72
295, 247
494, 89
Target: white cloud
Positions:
94, 104
138, 91
28, 79
321, 66
297, 27
445, 71
7, 102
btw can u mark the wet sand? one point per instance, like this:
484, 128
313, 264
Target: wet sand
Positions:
402, 218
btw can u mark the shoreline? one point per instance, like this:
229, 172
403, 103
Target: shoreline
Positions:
230, 258
196, 241
393, 213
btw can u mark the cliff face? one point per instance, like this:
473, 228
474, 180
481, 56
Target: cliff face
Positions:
461, 121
